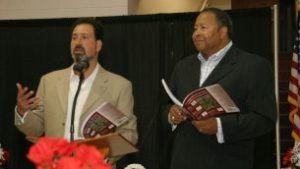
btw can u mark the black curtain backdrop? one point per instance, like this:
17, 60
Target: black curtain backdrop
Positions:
141, 48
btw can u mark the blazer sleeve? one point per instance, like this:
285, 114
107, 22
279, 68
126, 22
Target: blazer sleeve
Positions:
125, 104
258, 114
34, 121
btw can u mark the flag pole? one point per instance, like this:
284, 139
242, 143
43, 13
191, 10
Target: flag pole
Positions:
203, 5
276, 82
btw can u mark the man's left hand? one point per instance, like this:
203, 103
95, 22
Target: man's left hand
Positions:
208, 126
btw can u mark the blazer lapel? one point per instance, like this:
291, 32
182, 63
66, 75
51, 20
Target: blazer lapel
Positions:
193, 74
225, 66
96, 93
62, 86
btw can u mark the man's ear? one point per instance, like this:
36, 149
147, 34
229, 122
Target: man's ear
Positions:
99, 45
224, 31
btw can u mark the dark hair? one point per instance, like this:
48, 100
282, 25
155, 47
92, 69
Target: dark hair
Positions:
222, 17
98, 27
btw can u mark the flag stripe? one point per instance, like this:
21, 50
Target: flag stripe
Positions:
294, 87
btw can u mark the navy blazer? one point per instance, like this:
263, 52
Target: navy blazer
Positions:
249, 81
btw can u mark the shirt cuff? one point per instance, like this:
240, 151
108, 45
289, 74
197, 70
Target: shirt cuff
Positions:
220, 135
173, 126
19, 120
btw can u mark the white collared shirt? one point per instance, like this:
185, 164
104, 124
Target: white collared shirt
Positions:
207, 66
82, 97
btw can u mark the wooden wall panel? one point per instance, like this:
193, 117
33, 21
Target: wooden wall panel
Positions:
240, 4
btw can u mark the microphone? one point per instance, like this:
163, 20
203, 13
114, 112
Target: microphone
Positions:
80, 66
81, 63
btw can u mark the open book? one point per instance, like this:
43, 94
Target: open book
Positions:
105, 119
112, 145
205, 102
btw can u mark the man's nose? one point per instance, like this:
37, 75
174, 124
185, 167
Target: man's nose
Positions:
196, 33
78, 41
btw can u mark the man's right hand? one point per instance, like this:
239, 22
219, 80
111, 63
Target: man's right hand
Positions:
177, 114
25, 99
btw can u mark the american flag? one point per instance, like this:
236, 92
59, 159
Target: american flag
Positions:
294, 87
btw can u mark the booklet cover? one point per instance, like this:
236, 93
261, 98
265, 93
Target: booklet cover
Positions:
117, 144
205, 102
104, 120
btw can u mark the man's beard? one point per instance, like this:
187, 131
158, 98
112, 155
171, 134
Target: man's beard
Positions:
79, 51
81, 63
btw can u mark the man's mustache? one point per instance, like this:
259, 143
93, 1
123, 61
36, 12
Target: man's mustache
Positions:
79, 49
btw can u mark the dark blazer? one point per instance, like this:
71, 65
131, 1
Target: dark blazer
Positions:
248, 80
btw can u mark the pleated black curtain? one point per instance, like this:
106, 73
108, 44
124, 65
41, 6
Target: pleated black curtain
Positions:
143, 49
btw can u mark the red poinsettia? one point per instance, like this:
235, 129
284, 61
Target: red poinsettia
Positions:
4, 156
56, 153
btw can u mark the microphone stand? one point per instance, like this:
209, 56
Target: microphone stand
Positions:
81, 77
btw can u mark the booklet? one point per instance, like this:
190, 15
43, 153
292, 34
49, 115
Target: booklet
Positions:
111, 145
205, 102
104, 120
